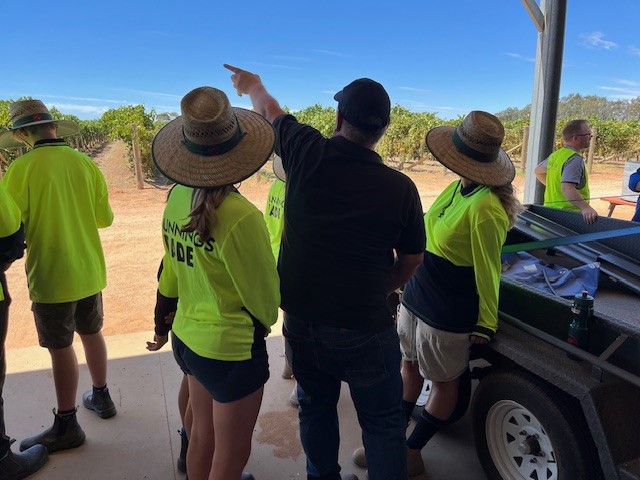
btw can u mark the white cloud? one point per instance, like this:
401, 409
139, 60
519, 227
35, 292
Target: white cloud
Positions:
92, 110
633, 50
423, 107
274, 65
630, 83
291, 58
622, 92
596, 40
329, 52
415, 89
148, 93
521, 57
81, 99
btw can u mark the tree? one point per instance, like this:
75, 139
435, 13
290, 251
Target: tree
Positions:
319, 117
117, 123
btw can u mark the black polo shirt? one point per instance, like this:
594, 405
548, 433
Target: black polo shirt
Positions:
345, 214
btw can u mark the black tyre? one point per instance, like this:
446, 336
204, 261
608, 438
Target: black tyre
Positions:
524, 430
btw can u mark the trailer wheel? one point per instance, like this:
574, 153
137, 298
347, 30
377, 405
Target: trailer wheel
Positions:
524, 430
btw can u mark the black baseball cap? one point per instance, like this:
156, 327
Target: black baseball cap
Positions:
365, 104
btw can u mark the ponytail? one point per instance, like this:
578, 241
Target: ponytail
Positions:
204, 203
510, 203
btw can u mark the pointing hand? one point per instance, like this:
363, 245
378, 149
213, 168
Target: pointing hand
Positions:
243, 81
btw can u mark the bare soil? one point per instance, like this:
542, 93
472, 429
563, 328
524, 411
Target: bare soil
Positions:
133, 246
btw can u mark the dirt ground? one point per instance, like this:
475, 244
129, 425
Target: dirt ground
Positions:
133, 246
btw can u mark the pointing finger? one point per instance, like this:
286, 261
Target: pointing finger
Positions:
232, 68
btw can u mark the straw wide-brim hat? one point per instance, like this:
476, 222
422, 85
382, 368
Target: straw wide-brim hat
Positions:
278, 168
473, 149
212, 144
27, 113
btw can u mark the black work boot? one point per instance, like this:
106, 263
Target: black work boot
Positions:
15, 466
65, 433
99, 401
184, 444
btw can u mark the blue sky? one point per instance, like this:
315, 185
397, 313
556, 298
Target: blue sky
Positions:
446, 57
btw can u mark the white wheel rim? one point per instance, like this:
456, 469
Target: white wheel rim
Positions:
510, 428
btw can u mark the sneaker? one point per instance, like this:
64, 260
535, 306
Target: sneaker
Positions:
246, 476
293, 398
15, 466
100, 402
359, 457
415, 465
184, 444
287, 373
65, 433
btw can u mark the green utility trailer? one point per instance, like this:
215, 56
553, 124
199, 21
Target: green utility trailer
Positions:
537, 412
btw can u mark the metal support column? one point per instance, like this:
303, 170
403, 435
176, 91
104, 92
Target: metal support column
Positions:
546, 89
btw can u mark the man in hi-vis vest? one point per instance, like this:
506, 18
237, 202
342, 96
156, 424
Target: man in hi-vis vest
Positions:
564, 174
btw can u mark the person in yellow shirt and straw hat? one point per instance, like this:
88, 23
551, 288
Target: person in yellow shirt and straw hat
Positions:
63, 200
219, 266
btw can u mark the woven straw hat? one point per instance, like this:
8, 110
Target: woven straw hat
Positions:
472, 149
25, 113
278, 168
212, 144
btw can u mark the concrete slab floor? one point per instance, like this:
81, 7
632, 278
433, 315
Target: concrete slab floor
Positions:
141, 441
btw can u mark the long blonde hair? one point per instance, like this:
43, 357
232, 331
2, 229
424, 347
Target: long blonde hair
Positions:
509, 201
203, 215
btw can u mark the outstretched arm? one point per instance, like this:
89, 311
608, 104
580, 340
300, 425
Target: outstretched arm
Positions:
250, 83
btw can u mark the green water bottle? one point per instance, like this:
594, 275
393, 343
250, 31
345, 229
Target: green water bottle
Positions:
581, 310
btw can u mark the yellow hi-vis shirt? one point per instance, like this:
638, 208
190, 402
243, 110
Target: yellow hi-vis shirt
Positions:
553, 196
9, 219
63, 200
220, 282
274, 215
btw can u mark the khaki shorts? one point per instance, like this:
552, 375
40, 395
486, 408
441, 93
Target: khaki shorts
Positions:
442, 356
57, 322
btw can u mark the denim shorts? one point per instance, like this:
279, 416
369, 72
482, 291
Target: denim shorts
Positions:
226, 381
57, 322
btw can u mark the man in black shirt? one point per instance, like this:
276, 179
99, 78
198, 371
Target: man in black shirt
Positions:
353, 234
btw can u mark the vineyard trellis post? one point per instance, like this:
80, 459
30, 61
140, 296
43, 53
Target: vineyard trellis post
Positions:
525, 146
592, 148
3, 165
137, 162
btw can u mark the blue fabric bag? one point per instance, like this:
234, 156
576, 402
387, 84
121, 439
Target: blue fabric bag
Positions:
563, 282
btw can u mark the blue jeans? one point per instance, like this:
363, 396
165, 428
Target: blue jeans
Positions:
321, 357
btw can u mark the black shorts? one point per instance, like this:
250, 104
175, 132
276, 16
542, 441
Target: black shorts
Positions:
57, 322
225, 380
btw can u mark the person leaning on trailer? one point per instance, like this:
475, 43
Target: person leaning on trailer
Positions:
451, 303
